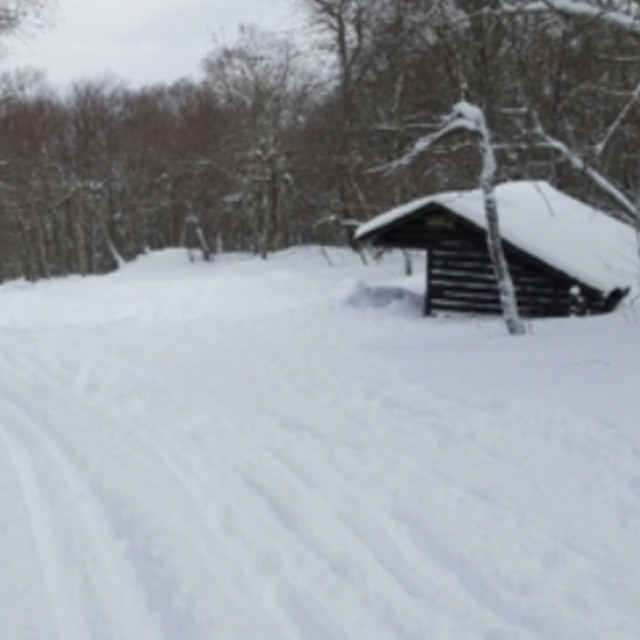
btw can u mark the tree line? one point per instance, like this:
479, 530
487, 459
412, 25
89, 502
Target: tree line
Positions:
285, 139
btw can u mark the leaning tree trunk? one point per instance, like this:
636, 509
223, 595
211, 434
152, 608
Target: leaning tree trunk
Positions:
506, 290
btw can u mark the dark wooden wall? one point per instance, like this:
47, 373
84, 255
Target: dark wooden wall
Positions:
461, 278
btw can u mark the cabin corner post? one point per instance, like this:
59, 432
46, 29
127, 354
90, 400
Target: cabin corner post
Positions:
427, 291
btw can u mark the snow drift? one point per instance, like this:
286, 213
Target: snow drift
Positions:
228, 450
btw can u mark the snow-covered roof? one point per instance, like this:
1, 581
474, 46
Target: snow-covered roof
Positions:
565, 233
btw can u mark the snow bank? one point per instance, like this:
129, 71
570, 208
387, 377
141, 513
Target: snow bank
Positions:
195, 451
403, 298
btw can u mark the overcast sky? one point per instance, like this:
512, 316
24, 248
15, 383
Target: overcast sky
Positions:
140, 41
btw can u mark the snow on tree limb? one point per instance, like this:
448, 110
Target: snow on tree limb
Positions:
617, 14
463, 116
595, 176
600, 147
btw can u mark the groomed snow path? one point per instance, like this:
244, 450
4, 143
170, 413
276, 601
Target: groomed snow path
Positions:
269, 451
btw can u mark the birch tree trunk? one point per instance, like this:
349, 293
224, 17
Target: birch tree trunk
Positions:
506, 289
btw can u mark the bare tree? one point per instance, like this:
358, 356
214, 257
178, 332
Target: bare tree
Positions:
260, 82
259, 157
347, 27
623, 18
23, 15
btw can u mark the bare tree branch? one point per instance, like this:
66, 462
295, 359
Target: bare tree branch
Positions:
601, 146
578, 163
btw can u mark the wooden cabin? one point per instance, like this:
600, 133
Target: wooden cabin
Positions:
565, 258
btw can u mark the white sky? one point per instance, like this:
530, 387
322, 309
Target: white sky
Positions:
140, 41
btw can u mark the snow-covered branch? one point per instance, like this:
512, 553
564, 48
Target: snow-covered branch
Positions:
463, 116
578, 163
617, 14
600, 147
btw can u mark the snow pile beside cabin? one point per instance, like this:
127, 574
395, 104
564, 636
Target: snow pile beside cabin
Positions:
567, 234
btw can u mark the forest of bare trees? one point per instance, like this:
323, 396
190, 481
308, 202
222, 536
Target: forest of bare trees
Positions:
279, 143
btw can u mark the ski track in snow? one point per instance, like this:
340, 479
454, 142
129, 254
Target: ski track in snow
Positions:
95, 590
259, 470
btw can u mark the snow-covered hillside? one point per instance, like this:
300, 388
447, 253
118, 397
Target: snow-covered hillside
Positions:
288, 451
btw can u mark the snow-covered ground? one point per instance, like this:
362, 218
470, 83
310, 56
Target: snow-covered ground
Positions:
288, 451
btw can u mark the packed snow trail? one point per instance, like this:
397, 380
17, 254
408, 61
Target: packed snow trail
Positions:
231, 451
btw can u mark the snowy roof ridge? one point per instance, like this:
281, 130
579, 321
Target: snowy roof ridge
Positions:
566, 233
